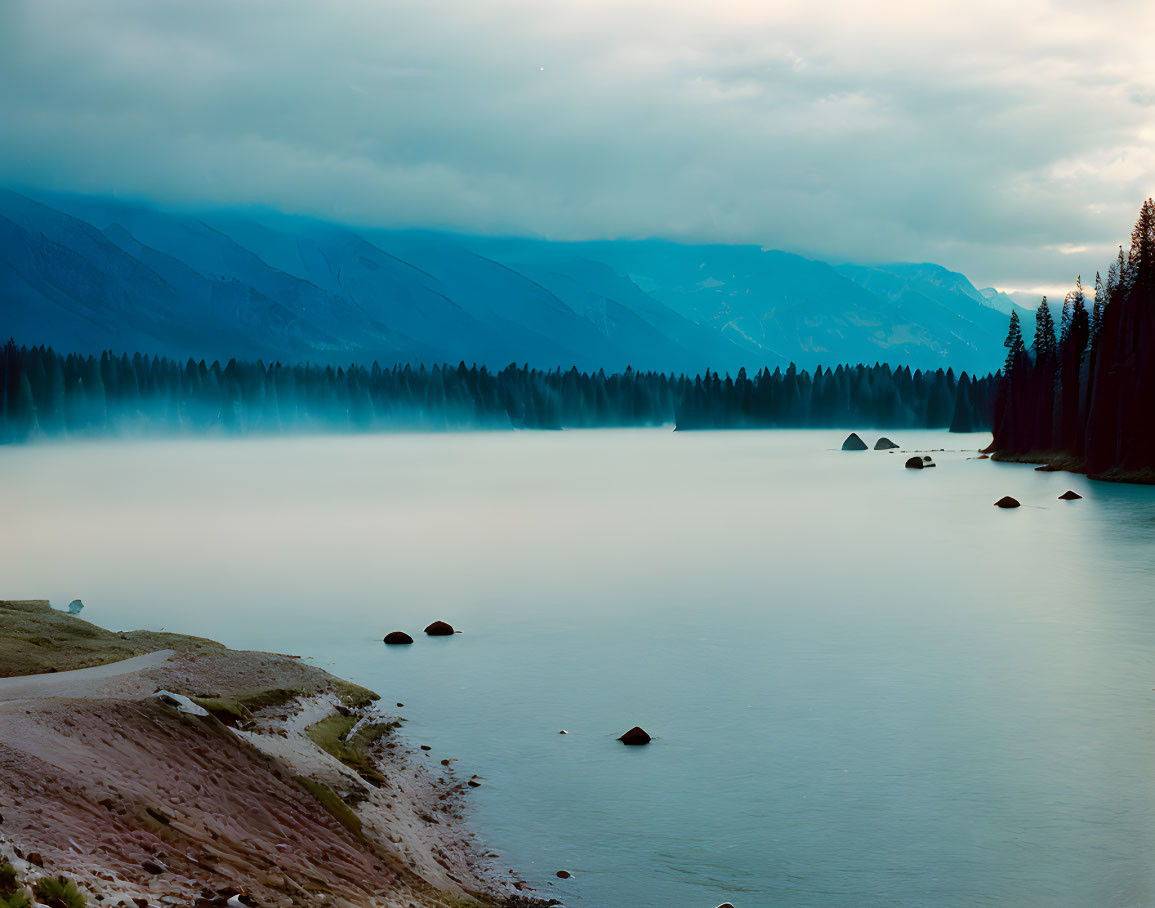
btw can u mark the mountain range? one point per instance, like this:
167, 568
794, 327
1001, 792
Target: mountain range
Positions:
87, 273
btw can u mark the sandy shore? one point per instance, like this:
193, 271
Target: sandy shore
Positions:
257, 779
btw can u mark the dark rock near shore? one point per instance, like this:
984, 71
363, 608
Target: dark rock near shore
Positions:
1006, 502
635, 736
884, 444
914, 463
398, 637
440, 629
854, 443
1069, 496
563, 874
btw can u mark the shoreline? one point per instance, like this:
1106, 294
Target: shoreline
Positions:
213, 776
1059, 462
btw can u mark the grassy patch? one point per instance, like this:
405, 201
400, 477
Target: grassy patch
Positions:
12, 894
354, 695
331, 801
59, 890
329, 732
238, 708
226, 709
35, 638
266, 697
331, 735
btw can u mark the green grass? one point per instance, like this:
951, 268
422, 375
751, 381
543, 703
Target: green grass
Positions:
12, 894
59, 889
354, 695
36, 638
331, 801
330, 735
228, 710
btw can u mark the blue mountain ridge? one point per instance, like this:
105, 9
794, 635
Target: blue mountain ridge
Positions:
90, 273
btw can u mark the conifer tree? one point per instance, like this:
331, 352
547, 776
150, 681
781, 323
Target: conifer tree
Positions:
1044, 333
1014, 345
1097, 308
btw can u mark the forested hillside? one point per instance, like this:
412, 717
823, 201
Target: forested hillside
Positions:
46, 395
86, 274
1086, 400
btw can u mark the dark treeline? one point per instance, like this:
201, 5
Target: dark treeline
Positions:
874, 396
45, 394
1086, 399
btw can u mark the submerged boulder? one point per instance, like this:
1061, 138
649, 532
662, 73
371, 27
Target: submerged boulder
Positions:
854, 443
1069, 496
635, 736
398, 637
440, 629
1006, 502
914, 463
884, 444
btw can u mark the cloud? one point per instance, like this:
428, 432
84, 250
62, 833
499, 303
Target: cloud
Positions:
995, 138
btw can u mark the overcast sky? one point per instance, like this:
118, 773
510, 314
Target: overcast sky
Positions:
1013, 141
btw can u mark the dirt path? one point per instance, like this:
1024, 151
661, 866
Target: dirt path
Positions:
139, 803
82, 682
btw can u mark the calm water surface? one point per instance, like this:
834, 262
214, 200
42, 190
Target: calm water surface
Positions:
868, 686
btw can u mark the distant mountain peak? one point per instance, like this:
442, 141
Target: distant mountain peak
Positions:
92, 272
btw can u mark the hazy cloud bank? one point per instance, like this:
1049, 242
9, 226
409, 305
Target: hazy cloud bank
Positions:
1011, 141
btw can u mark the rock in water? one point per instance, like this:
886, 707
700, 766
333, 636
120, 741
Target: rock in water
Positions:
635, 736
398, 637
853, 443
439, 629
914, 463
563, 874
1006, 502
884, 444
75, 607
1069, 496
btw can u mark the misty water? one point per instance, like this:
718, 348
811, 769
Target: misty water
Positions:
867, 685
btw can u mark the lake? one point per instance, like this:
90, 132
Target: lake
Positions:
867, 685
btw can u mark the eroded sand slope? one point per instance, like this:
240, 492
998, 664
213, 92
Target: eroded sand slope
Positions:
139, 796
